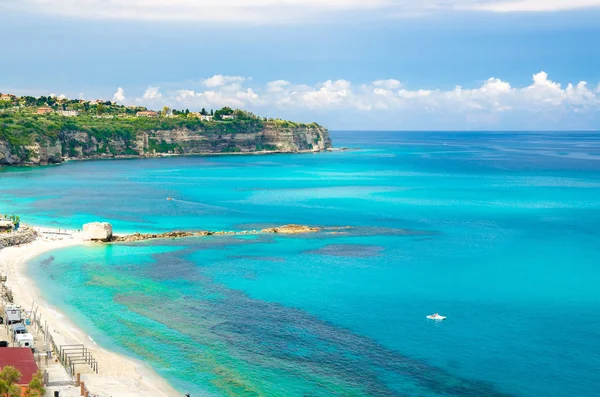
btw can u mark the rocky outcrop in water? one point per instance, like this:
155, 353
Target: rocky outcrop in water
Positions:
286, 229
98, 231
292, 229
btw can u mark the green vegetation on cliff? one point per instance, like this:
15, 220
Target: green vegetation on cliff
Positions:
46, 129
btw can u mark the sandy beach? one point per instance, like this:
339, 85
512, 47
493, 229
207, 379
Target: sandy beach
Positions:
118, 375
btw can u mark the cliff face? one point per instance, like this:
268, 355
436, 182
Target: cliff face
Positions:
45, 151
82, 145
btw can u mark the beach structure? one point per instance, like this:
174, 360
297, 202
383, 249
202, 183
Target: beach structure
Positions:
23, 360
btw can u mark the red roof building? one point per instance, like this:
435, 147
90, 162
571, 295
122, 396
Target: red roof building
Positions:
22, 359
44, 110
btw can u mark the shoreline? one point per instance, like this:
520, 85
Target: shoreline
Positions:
167, 155
118, 375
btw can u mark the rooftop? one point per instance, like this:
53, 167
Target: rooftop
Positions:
22, 359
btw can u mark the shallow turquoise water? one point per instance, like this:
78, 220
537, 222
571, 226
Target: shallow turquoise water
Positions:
497, 231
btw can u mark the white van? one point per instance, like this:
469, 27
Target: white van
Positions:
24, 340
13, 314
17, 328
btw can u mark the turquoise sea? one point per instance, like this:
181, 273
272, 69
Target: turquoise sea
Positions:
500, 232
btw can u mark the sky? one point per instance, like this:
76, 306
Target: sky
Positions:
346, 64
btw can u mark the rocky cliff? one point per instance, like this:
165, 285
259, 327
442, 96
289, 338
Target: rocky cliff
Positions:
23, 236
84, 144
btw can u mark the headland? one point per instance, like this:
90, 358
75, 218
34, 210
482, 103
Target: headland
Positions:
50, 130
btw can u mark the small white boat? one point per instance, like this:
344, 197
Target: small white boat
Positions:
436, 316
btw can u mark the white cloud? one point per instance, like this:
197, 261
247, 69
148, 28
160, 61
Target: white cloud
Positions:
491, 100
152, 93
221, 80
280, 85
119, 95
274, 11
387, 84
535, 5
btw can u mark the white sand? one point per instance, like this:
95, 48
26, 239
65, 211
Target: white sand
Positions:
118, 376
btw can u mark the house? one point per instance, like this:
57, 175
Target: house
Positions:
22, 359
227, 117
68, 113
6, 224
206, 117
44, 110
147, 113
7, 97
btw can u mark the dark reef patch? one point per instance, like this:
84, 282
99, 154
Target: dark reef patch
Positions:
348, 250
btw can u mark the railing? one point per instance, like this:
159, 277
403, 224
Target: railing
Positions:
69, 355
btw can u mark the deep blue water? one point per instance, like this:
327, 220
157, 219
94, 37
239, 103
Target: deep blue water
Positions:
497, 231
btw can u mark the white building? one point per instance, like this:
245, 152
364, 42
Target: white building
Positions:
228, 117
6, 224
69, 113
206, 117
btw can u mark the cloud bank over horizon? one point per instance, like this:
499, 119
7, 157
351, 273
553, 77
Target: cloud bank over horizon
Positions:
485, 105
273, 11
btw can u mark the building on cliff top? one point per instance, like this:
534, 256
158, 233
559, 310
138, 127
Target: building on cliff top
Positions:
7, 97
203, 117
147, 113
44, 110
68, 113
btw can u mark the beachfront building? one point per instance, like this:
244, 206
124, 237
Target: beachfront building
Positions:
147, 113
68, 113
44, 110
22, 359
6, 225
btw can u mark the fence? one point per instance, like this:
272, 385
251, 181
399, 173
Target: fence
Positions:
69, 355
